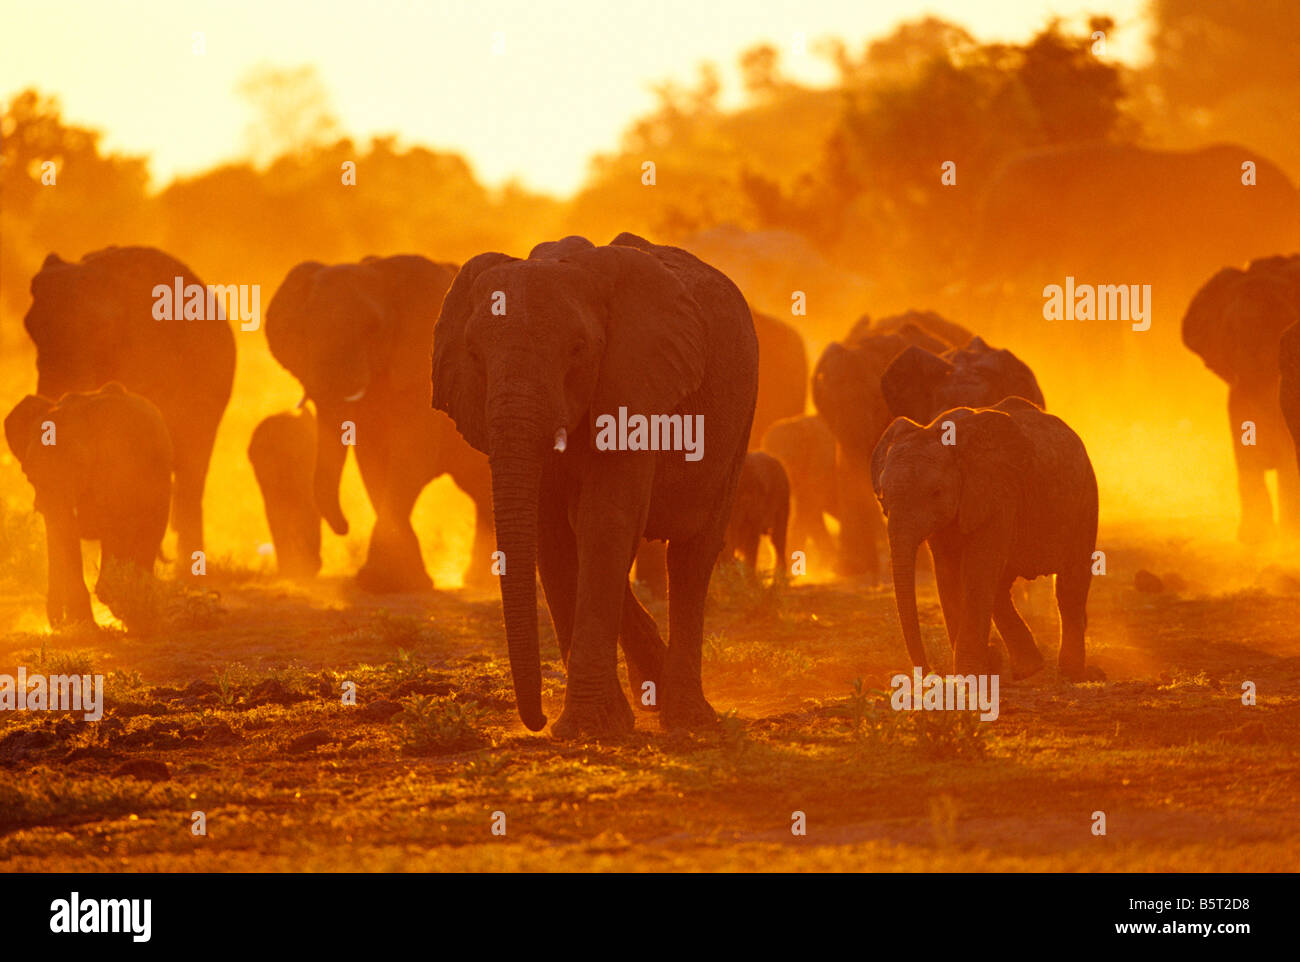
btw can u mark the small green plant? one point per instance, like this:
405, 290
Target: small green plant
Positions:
22, 546
57, 662
949, 734
225, 688
437, 725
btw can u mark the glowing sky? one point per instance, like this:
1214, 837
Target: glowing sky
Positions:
527, 90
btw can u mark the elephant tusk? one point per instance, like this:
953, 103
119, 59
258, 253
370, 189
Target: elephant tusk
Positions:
302, 403
561, 440
356, 397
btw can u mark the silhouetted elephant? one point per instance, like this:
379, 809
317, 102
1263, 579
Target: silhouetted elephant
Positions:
847, 392
782, 374
101, 465
761, 508
999, 493
1121, 214
358, 337
543, 363
282, 451
1235, 324
805, 447
94, 321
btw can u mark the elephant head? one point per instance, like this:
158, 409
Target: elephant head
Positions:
348, 332
527, 353
919, 383
1236, 319
282, 451
846, 380
967, 488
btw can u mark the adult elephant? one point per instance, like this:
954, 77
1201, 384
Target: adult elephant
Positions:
94, 321
531, 359
847, 393
357, 337
998, 493
1121, 214
1235, 325
101, 465
919, 383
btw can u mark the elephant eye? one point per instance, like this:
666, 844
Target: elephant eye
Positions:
577, 348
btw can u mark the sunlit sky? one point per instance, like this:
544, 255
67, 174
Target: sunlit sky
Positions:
525, 89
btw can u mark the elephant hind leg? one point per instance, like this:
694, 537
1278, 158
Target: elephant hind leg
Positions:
1026, 659
643, 650
690, 565
1072, 601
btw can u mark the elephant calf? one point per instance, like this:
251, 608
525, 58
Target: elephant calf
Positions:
805, 447
762, 507
999, 493
283, 454
101, 465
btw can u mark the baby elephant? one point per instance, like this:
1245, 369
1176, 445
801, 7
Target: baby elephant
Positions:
101, 465
762, 507
999, 493
283, 454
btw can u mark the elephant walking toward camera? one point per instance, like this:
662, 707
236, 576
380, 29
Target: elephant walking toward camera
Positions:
998, 493
534, 359
846, 390
805, 447
357, 337
101, 465
1235, 324
93, 321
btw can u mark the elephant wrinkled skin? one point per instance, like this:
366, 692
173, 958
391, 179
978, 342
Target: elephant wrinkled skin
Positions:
1014, 496
580, 332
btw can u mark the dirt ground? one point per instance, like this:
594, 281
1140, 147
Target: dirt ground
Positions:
234, 709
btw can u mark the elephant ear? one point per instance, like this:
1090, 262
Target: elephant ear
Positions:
287, 329
655, 330
897, 428
1204, 331
995, 459
22, 425
459, 386
909, 382
413, 291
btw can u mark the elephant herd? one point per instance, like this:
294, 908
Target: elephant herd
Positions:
923, 432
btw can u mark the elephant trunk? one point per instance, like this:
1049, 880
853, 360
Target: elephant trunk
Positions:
331, 452
902, 555
516, 480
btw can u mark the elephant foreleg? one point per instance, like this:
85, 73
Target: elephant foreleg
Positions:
1252, 463
981, 569
947, 576
67, 600
187, 505
557, 564
1026, 659
608, 521
643, 650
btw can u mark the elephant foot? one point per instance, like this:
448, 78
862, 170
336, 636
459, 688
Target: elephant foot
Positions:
1026, 665
609, 718
1256, 532
1093, 673
1073, 671
379, 581
687, 712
